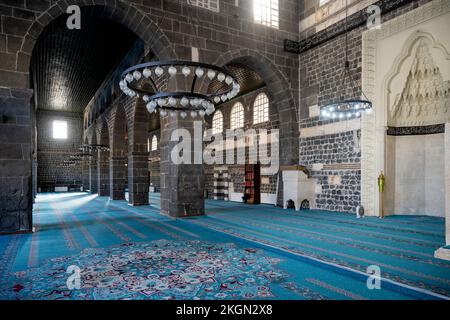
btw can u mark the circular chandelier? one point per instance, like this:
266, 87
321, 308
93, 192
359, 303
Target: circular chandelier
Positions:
192, 102
347, 108
93, 147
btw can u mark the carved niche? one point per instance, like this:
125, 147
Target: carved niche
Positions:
424, 98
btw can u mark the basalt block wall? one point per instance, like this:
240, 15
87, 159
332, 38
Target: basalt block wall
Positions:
16, 154
52, 152
333, 157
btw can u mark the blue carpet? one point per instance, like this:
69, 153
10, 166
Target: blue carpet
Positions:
235, 252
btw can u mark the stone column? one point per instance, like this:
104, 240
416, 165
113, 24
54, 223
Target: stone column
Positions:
444, 252
16, 191
85, 174
103, 173
93, 174
182, 185
138, 178
117, 174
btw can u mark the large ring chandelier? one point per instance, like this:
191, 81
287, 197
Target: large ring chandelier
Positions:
346, 109
192, 102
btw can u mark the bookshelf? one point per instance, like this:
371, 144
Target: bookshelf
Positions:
253, 183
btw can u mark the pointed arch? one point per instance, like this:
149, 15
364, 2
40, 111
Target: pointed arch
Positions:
280, 93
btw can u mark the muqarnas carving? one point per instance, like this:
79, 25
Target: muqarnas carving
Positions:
425, 99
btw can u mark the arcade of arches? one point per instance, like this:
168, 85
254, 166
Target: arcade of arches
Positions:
59, 91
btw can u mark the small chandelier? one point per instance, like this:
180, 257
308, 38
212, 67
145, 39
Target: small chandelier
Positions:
93, 147
192, 102
347, 108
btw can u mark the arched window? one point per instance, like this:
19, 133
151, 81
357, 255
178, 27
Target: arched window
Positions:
237, 116
261, 109
217, 123
154, 143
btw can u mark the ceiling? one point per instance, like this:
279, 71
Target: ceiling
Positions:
248, 79
68, 66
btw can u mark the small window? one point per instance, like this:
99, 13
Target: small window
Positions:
217, 123
261, 109
59, 129
266, 12
237, 116
154, 143
212, 5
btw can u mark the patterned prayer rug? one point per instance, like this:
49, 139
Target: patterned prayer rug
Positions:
160, 269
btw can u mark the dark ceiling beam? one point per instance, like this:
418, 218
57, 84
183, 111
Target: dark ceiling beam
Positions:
355, 20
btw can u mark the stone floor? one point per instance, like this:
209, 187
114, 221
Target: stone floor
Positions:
235, 252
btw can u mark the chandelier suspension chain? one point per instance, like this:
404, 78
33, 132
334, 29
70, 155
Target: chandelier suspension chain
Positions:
182, 101
347, 108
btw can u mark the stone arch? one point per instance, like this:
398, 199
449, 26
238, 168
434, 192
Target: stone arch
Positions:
401, 70
125, 14
280, 94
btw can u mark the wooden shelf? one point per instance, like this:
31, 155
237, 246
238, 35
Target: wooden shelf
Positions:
253, 183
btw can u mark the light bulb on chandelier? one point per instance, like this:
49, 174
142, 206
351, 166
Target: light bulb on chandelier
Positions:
194, 102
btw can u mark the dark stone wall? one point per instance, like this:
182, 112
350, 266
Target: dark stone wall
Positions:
331, 149
340, 156
52, 152
320, 83
16, 154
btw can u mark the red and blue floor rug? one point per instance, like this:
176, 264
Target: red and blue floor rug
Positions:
234, 252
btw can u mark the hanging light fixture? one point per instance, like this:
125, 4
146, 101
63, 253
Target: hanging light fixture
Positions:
93, 147
193, 102
347, 108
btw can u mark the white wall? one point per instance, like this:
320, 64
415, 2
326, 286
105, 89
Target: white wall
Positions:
415, 180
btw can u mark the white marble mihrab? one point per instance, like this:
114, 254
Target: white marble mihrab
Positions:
414, 175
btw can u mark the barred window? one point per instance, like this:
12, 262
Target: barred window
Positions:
217, 123
154, 143
59, 129
212, 5
261, 109
266, 12
237, 116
